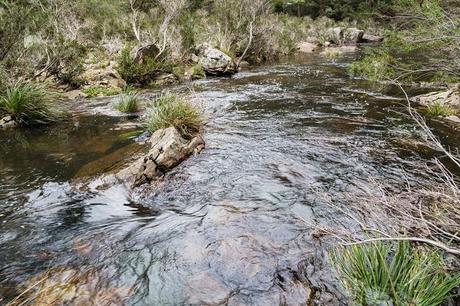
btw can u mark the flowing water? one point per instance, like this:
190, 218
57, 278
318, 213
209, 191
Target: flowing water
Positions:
231, 226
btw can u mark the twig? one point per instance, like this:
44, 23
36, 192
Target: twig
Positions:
413, 239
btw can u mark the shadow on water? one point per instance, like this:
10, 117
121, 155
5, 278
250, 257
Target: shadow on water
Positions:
230, 226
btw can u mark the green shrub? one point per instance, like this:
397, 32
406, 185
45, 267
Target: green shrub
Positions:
377, 66
197, 72
30, 104
439, 109
140, 73
95, 91
127, 103
66, 62
170, 110
393, 274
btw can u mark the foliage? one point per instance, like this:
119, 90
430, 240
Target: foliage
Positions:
375, 66
95, 91
439, 109
337, 9
30, 104
137, 73
127, 103
422, 43
394, 274
170, 110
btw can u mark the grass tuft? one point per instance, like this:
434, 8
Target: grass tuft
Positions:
30, 104
393, 274
439, 109
127, 103
170, 110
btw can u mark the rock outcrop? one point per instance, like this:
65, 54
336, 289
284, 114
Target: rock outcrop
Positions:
168, 150
450, 97
350, 36
214, 61
103, 76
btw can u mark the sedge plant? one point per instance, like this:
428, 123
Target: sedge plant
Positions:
173, 111
398, 274
29, 104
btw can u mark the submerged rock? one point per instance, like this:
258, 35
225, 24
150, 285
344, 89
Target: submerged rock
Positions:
7, 122
168, 150
214, 61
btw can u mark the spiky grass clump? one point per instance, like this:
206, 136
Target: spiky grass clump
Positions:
393, 274
127, 103
30, 104
438, 109
171, 110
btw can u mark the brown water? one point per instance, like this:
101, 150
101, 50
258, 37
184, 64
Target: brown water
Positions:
231, 226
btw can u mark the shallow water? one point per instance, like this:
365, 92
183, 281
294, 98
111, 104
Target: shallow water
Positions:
230, 226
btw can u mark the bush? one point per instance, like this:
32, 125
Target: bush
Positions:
388, 274
127, 103
66, 62
170, 110
377, 66
439, 109
140, 73
30, 104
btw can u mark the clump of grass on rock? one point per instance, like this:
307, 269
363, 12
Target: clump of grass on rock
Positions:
29, 104
127, 103
174, 111
394, 274
439, 109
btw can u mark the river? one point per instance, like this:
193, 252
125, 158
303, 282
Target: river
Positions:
231, 226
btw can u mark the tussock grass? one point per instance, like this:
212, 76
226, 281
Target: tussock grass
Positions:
30, 104
393, 274
127, 103
171, 110
439, 109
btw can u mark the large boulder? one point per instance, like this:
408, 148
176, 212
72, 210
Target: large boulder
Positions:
335, 35
168, 149
143, 52
450, 97
214, 61
352, 36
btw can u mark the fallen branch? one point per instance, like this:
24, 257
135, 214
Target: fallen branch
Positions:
412, 239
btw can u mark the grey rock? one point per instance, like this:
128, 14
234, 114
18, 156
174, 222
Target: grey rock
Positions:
214, 61
7, 122
168, 149
449, 97
352, 36
141, 53
368, 38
